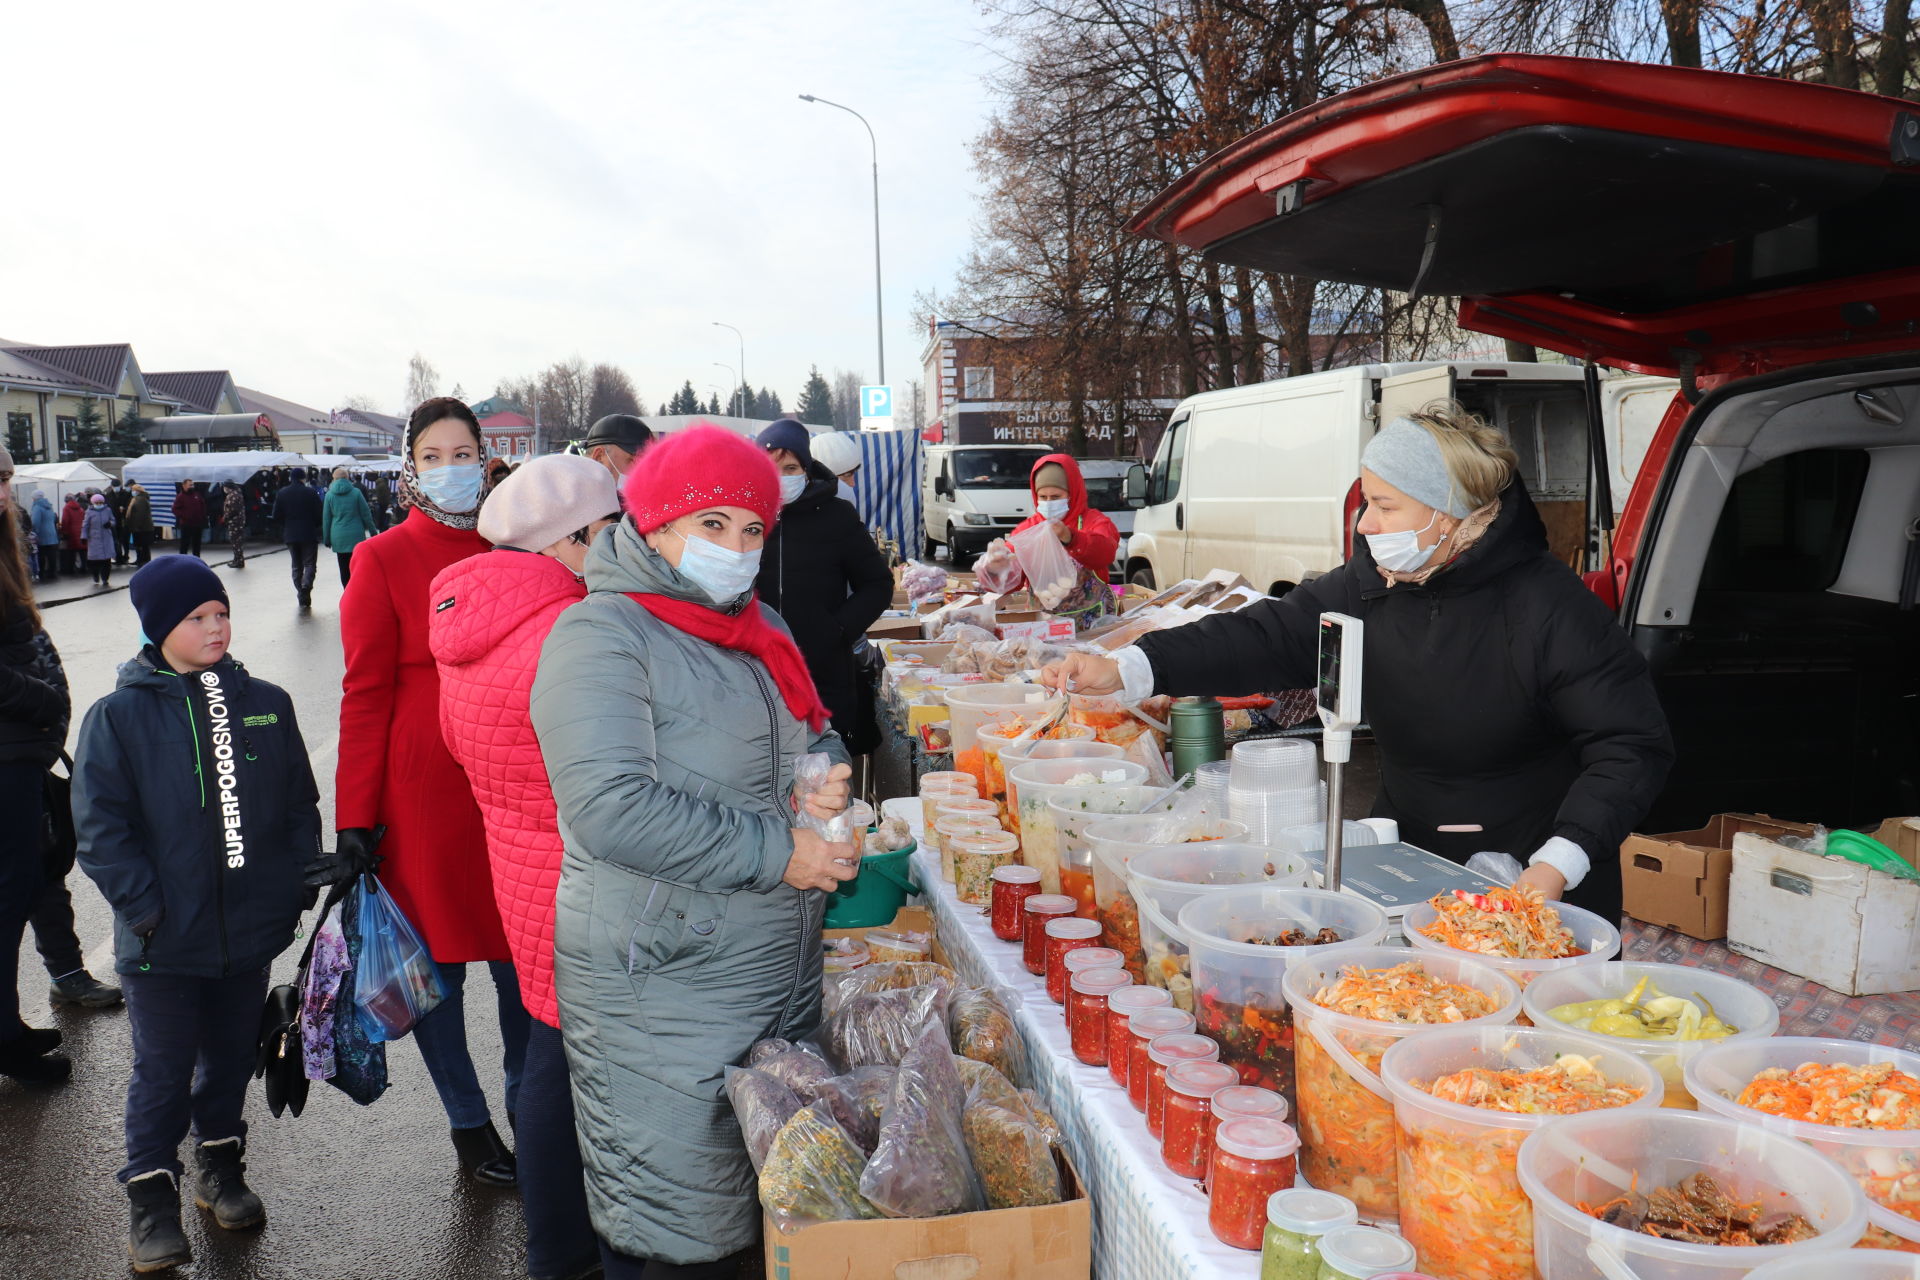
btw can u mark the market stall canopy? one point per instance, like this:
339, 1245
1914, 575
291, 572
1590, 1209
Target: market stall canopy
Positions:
57, 480
207, 468
212, 431
328, 461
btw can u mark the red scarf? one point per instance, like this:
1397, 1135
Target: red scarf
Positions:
746, 632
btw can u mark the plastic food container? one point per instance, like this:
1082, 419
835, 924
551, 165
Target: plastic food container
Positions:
1111, 845
1737, 1003
1162, 1053
844, 955
1064, 934
1012, 886
1296, 1219
1039, 781
885, 945
976, 856
1112, 720
1161, 882
1344, 1112
1186, 1132
938, 787
1596, 1158
1595, 933
1252, 1160
1461, 1204
982, 814
1142, 1030
1035, 914
1001, 749
1274, 764
1121, 1006
1087, 1011
972, 705
1360, 1253
1061, 742
1236, 981
1073, 812
1886, 1162
1854, 1264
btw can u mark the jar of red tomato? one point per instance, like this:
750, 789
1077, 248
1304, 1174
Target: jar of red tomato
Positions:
1035, 913
1142, 1030
1163, 1052
1087, 1010
1012, 886
1186, 1138
1252, 1159
1240, 1101
1081, 959
1121, 1006
1068, 933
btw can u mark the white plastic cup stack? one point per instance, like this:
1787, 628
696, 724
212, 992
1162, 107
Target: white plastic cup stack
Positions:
1275, 764
1210, 784
1268, 813
1313, 835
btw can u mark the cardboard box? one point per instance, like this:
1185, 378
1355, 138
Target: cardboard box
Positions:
1679, 880
909, 920
1059, 630
907, 628
1054, 1242
1841, 924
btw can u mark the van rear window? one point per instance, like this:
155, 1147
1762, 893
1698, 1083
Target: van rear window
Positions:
994, 468
1786, 523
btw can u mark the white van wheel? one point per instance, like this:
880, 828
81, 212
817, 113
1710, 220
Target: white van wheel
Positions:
1142, 577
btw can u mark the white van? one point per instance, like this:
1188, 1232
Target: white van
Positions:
974, 493
1262, 480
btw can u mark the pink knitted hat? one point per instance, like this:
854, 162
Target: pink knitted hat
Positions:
700, 467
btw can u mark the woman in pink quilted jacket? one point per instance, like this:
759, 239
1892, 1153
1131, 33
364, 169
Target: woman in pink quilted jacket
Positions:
491, 613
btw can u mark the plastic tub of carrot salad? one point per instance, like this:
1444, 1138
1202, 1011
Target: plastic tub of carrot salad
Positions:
1464, 1099
1858, 1103
1349, 1008
1854, 1264
1515, 930
1662, 1196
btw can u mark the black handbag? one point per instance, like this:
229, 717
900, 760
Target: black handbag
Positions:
59, 842
280, 1055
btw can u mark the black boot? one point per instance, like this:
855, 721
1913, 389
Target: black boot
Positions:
29, 1060
39, 1040
155, 1241
484, 1157
82, 988
219, 1185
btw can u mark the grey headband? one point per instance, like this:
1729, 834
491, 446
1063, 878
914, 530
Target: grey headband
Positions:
1406, 456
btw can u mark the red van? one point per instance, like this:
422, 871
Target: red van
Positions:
1759, 239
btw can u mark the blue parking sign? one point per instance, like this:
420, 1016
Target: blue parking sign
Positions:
876, 402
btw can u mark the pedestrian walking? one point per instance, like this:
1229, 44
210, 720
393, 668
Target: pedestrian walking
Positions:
299, 509
233, 512
73, 543
33, 727
205, 881
97, 532
490, 615
382, 501
670, 706
140, 524
616, 440
345, 521
118, 496
189, 517
395, 770
825, 577
46, 535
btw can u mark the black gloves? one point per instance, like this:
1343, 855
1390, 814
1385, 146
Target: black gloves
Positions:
352, 855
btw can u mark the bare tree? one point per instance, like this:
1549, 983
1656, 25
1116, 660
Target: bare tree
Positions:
846, 399
361, 402
565, 397
423, 383
610, 391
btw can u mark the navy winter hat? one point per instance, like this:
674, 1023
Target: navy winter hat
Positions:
789, 435
168, 589
299, 473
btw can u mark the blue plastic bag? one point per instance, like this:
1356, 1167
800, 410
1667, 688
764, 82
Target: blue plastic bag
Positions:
397, 983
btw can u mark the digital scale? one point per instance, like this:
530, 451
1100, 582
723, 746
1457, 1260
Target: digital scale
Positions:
1337, 694
1395, 876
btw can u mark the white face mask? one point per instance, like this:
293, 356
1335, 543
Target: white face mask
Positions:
724, 574
846, 491
791, 487
1054, 508
1401, 552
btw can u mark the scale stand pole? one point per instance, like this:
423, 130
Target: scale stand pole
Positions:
1339, 744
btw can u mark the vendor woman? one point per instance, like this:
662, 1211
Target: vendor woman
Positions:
1511, 713
1090, 538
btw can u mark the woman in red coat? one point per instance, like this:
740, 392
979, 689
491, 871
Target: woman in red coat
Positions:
1060, 500
395, 770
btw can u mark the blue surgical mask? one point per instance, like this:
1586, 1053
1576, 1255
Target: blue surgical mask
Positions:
724, 574
1054, 508
1401, 552
454, 488
791, 487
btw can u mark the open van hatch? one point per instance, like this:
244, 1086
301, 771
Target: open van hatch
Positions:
1661, 219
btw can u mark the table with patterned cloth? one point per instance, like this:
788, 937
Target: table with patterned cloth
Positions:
1806, 1007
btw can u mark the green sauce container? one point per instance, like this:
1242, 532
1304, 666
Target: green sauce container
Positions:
1296, 1219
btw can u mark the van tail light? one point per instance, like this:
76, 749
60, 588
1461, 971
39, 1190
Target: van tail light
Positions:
1349, 517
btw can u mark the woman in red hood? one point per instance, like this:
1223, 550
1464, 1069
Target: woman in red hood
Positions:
1060, 503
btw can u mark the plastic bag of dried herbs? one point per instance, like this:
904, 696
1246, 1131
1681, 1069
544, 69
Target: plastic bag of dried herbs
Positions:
893, 975
774, 1046
812, 1173
762, 1105
877, 1029
1042, 1119
986, 1086
1014, 1160
984, 1030
800, 1069
858, 1100
921, 1168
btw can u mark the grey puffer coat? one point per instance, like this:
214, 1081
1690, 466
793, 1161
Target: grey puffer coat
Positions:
676, 942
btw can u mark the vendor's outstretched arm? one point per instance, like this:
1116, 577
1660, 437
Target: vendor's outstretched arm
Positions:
1269, 645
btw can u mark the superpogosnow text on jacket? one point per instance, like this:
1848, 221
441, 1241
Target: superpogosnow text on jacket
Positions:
197, 816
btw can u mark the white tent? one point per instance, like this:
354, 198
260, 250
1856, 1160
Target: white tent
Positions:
56, 480
206, 468
328, 461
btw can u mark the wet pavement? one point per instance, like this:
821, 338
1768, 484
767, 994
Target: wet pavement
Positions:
352, 1193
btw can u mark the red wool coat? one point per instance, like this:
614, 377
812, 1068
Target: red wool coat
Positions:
394, 767
490, 615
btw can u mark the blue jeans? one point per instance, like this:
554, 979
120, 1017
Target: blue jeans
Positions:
442, 1037
553, 1186
23, 876
193, 1043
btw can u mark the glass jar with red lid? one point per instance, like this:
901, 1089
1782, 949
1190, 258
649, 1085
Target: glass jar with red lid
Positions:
1142, 1030
1068, 933
1241, 1101
1012, 886
1121, 1006
1186, 1138
1163, 1052
1087, 1010
1252, 1159
1081, 959
1035, 914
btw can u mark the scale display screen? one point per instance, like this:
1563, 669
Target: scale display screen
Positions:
1331, 637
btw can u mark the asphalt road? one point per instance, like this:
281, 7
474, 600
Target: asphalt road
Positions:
351, 1192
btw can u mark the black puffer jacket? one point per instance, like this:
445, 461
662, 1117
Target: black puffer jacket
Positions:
33, 705
823, 575
298, 508
1501, 693
197, 815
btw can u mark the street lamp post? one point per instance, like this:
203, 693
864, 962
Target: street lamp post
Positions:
734, 394
722, 324
879, 319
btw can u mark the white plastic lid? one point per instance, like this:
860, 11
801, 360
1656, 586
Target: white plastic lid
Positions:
1091, 958
1049, 904
1310, 1213
1200, 1079
1018, 875
956, 805
1249, 1100
1137, 999
1160, 1022
1071, 927
1101, 982
1252, 1139
1365, 1251
1181, 1046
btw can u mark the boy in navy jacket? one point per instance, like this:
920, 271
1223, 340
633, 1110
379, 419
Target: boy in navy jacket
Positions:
197, 816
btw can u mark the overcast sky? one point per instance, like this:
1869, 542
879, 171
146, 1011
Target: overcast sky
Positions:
308, 194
